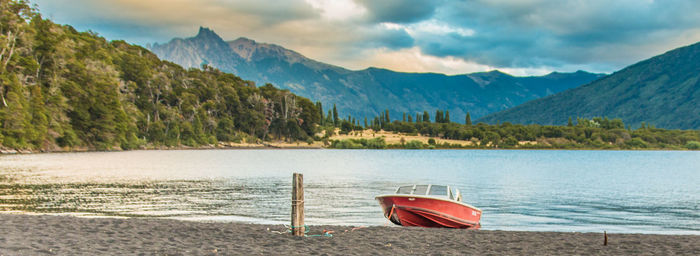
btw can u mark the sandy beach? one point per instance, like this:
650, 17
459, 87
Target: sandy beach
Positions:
62, 235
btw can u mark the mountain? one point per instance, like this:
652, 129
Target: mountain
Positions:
663, 91
365, 93
63, 89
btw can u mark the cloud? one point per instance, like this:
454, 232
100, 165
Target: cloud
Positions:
440, 36
400, 11
392, 38
542, 32
177, 18
338, 9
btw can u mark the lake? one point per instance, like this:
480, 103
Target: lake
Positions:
531, 190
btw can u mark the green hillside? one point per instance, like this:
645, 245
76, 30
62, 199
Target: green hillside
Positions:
663, 91
64, 89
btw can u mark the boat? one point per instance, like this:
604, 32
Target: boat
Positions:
429, 206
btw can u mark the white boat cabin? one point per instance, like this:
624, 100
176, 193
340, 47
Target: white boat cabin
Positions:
430, 190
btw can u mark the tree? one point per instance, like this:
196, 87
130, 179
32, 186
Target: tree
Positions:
329, 118
39, 120
570, 123
225, 129
335, 116
15, 118
468, 119
308, 117
345, 127
319, 106
447, 116
382, 119
426, 117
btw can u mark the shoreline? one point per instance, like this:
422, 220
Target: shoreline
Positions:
8, 151
66, 235
393, 141
27, 152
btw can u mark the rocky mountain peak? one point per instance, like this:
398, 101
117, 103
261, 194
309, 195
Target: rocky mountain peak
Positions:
206, 33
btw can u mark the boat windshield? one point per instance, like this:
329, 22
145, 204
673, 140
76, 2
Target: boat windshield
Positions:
420, 190
438, 190
433, 190
405, 190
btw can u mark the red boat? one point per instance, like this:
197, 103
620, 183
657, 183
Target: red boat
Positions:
429, 206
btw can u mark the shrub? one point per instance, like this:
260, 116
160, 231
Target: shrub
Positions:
346, 144
636, 143
414, 144
376, 143
692, 145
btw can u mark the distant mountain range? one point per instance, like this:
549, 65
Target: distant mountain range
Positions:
365, 93
663, 91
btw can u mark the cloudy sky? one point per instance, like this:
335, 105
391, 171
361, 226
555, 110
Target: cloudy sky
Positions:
521, 37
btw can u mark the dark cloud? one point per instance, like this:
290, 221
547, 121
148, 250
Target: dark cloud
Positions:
553, 33
400, 11
393, 39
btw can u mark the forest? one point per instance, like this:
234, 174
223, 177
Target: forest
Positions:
64, 89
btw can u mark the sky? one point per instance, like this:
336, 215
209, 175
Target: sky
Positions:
520, 37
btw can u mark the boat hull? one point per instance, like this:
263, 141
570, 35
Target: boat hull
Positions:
421, 211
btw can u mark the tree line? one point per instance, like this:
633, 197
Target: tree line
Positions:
594, 133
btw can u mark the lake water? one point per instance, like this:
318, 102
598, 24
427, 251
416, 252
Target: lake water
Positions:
586, 191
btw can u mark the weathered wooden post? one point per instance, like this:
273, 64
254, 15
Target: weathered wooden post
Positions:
298, 204
605, 240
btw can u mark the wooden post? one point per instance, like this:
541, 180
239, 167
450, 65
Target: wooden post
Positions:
605, 240
298, 204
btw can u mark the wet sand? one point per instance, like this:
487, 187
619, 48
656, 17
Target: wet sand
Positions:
61, 235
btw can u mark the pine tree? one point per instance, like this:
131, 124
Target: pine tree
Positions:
426, 117
410, 119
404, 117
570, 123
335, 116
381, 119
320, 112
468, 119
447, 116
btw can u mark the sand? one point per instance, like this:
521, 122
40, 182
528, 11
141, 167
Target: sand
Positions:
62, 235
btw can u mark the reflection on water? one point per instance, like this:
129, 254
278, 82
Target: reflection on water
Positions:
617, 191
255, 200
